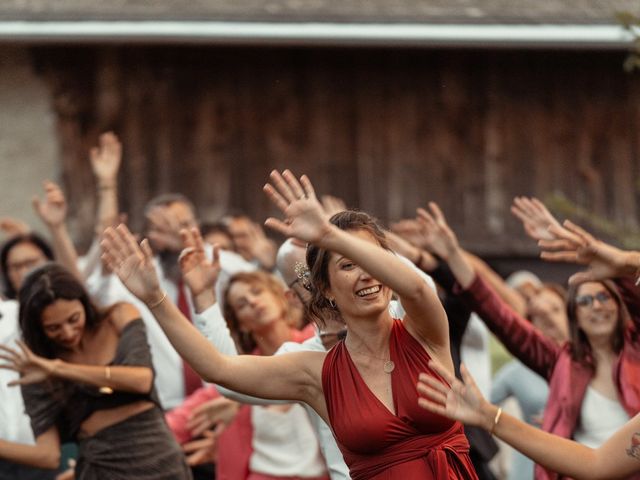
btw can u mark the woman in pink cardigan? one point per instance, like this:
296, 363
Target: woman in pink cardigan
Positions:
596, 372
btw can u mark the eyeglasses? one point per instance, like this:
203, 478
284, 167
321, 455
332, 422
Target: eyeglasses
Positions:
587, 300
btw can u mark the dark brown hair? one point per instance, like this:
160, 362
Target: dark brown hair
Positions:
41, 288
245, 340
580, 346
318, 261
32, 238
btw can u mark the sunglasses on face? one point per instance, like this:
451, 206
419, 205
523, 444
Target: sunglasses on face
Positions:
587, 300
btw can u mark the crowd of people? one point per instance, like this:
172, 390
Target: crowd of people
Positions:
206, 350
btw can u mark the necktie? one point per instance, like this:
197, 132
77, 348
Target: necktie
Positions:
192, 381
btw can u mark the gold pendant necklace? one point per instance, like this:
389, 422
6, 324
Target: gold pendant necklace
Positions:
388, 366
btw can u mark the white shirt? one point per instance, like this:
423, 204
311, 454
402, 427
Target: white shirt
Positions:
284, 443
15, 424
600, 418
213, 326
474, 353
167, 363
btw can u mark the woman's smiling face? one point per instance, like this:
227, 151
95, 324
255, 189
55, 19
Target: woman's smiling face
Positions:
355, 292
63, 322
596, 311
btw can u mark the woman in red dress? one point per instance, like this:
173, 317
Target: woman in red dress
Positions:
365, 386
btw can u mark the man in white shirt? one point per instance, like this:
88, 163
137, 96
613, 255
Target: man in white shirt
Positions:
166, 215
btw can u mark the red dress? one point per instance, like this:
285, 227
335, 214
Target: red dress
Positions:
376, 444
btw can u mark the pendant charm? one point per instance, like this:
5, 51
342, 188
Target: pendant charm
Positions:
388, 366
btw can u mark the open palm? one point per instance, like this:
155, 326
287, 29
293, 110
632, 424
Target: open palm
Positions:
438, 238
53, 209
198, 272
457, 400
132, 263
305, 219
31, 367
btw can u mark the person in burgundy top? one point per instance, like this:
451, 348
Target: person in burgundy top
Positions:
594, 378
365, 387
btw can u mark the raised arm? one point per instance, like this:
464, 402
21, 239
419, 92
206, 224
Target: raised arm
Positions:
292, 377
105, 164
305, 220
618, 457
53, 212
520, 337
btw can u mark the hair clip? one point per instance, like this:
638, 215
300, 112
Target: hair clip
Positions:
303, 274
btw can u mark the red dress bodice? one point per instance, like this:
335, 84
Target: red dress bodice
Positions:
375, 443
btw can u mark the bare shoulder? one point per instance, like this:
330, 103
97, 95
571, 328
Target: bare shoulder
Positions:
122, 314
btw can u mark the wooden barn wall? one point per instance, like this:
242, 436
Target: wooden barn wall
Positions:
386, 130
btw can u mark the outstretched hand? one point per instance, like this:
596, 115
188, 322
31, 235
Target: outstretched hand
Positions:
132, 263
106, 158
31, 367
535, 217
438, 238
53, 209
457, 400
412, 231
573, 244
198, 272
305, 218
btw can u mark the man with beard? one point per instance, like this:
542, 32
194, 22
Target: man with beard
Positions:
165, 216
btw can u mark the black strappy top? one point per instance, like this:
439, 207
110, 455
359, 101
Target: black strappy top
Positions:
68, 404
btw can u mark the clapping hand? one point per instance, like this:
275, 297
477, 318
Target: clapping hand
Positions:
305, 218
53, 209
31, 367
132, 263
535, 217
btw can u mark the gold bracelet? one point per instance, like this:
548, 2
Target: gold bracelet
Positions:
106, 390
496, 420
157, 304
